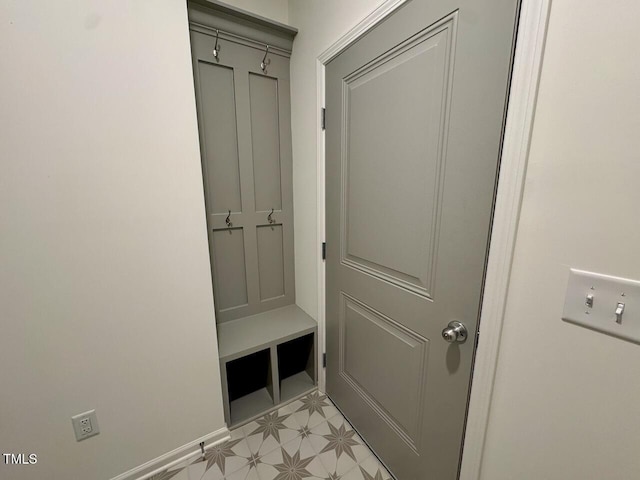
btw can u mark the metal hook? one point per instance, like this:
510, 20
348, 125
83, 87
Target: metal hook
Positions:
202, 450
269, 218
216, 48
228, 220
265, 61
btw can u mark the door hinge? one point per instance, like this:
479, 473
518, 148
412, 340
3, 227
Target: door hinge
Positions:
324, 250
323, 118
324, 360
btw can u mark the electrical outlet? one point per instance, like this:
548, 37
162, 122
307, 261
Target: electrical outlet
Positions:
85, 425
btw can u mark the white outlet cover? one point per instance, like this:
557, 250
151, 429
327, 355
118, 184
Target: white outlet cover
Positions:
607, 292
85, 425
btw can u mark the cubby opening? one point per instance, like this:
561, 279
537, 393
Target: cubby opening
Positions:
296, 366
250, 385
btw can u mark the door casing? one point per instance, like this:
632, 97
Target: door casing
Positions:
532, 28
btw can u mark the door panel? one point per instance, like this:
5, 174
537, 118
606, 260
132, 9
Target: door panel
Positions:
409, 83
414, 115
229, 267
265, 140
270, 261
219, 138
393, 389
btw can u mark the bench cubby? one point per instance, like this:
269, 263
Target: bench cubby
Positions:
266, 359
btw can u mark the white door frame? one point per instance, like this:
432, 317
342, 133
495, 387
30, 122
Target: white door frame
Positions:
532, 27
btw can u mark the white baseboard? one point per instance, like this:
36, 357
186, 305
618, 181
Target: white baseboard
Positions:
175, 457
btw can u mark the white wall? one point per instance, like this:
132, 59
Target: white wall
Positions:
277, 10
567, 400
320, 24
105, 290
104, 286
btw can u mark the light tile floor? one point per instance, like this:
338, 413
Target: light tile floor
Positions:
307, 438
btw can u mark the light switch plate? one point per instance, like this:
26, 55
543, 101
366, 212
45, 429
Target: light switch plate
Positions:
607, 293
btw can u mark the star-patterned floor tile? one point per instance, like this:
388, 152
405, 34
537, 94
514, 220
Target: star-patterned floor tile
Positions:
304, 431
369, 469
338, 446
306, 439
333, 476
196, 470
269, 432
245, 473
295, 460
313, 409
225, 459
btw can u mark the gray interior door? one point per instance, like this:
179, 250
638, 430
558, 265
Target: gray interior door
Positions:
414, 119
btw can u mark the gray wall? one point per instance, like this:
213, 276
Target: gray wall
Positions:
105, 290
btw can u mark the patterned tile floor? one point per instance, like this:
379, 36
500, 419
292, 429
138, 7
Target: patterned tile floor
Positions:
307, 438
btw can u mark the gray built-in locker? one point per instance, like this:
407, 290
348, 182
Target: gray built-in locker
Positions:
241, 76
245, 141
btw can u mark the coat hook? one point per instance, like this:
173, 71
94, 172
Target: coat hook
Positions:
228, 220
270, 218
265, 61
216, 48
202, 450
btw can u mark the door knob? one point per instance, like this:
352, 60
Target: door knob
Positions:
455, 332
